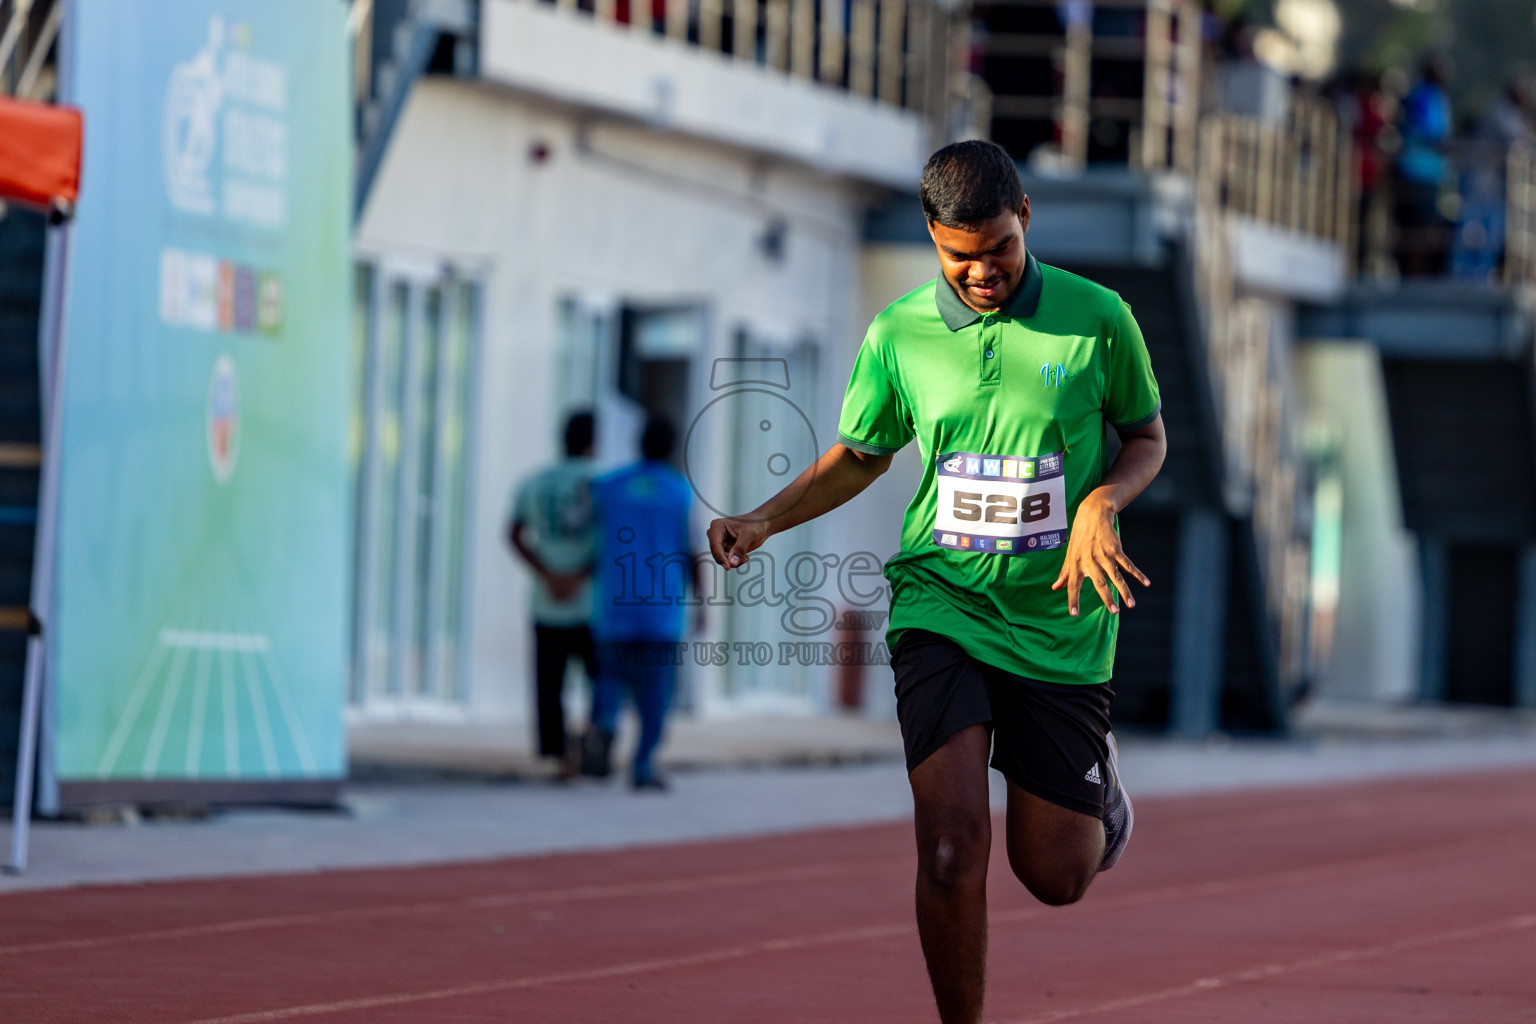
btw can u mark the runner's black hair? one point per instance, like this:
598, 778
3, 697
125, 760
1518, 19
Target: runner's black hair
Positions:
967, 183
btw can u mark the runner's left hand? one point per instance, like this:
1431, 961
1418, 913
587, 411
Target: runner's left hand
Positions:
1094, 552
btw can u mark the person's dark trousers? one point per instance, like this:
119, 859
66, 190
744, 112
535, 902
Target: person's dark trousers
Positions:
554, 647
648, 670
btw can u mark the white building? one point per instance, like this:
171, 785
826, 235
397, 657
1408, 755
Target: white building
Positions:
595, 214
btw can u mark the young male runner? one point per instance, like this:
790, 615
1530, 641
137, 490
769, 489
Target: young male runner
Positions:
1005, 371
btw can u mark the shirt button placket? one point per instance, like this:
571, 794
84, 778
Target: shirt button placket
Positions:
991, 355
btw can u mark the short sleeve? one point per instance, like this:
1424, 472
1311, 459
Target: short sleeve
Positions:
875, 419
520, 509
1133, 400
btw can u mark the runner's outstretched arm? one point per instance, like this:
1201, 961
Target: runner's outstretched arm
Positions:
1094, 550
827, 483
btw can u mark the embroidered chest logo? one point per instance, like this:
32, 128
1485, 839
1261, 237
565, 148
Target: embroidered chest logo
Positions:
1053, 374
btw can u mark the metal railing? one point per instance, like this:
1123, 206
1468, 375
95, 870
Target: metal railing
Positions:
896, 52
1297, 176
1476, 222
1156, 50
28, 30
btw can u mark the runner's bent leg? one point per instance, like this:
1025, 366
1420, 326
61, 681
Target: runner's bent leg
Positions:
954, 837
1054, 851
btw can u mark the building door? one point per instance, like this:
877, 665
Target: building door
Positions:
414, 350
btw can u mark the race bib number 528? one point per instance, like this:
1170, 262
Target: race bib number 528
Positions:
1001, 504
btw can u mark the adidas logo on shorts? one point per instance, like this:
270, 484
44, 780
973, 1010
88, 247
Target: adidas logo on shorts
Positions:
1093, 775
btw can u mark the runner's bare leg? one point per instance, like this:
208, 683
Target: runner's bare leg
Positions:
1054, 851
954, 837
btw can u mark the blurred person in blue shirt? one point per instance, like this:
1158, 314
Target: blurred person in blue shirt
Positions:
1426, 129
551, 527
1479, 242
643, 571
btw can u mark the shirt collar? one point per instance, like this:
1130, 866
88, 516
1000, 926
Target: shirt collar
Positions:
956, 314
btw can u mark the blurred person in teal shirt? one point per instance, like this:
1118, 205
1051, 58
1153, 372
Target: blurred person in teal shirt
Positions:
552, 529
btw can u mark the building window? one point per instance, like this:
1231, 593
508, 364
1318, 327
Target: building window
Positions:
418, 346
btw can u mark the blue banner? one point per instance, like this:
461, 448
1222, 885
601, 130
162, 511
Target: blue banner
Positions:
200, 626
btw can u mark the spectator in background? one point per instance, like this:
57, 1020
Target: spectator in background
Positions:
1212, 28
1372, 131
1479, 243
552, 529
644, 567
1425, 128
1366, 110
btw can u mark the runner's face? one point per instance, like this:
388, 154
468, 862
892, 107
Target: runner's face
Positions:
984, 263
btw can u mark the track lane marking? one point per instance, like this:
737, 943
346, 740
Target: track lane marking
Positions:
1262, 972
591, 974
665, 887
812, 872
882, 931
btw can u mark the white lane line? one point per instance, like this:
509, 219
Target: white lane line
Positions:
1461, 851
278, 682
865, 934
194, 762
227, 701
130, 713
263, 720
1263, 972
490, 901
879, 931
265, 735
195, 726
168, 695
140, 693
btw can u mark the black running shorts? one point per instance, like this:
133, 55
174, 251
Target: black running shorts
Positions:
1047, 738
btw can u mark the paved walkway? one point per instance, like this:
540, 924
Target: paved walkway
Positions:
440, 822
504, 751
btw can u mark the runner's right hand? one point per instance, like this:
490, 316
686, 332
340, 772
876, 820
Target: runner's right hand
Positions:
731, 540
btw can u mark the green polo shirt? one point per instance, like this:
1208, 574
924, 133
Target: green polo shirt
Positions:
1008, 409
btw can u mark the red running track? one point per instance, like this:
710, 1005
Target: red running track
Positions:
1405, 901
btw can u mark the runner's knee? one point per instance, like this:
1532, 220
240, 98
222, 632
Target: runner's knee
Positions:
953, 852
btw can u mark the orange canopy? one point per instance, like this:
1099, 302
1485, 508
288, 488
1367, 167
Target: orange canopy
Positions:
39, 152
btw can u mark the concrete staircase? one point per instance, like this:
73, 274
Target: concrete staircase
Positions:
1187, 624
